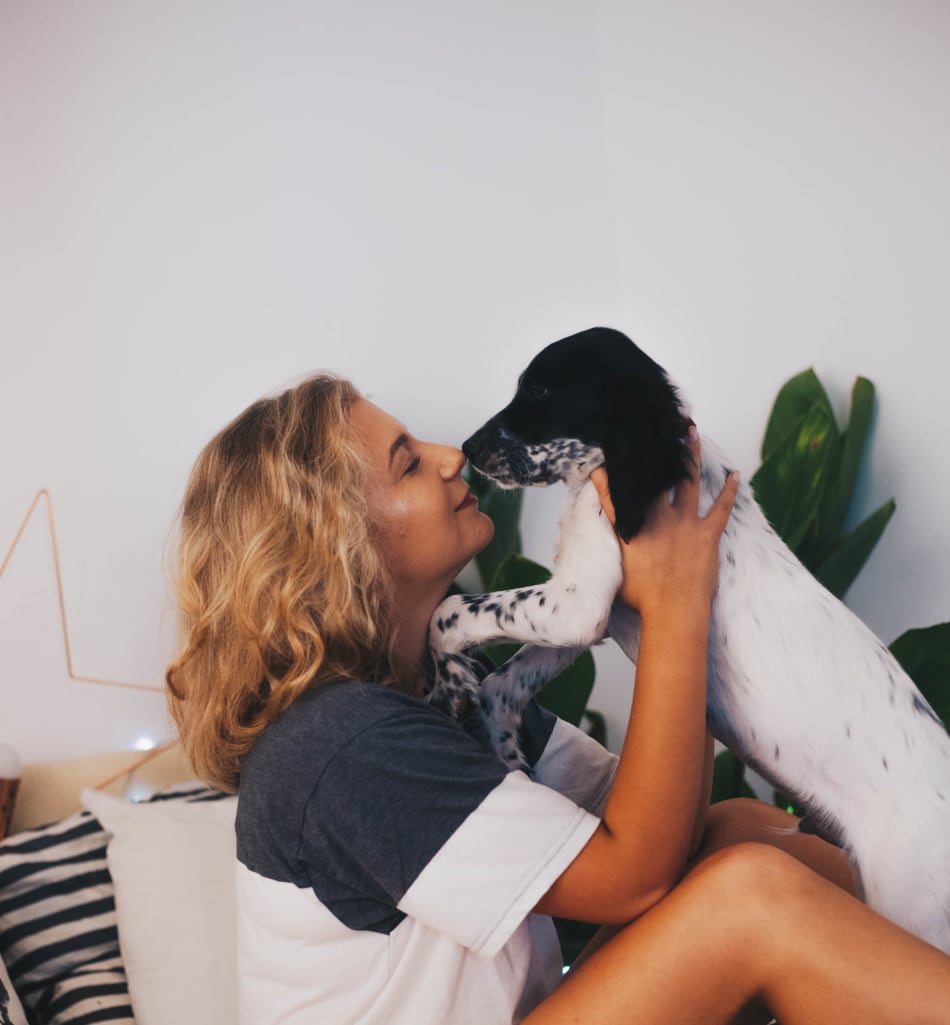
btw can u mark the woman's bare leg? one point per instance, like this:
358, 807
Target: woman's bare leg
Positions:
748, 925
743, 820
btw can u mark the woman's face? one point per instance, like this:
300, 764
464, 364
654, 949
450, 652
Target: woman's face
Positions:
427, 520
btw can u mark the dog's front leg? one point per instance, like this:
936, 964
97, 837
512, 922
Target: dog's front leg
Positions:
560, 613
506, 692
455, 683
569, 610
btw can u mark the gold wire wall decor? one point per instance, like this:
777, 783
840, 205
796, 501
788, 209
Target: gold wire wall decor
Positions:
43, 494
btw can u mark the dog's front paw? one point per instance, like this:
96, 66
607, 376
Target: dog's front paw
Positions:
502, 719
455, 685
446, 632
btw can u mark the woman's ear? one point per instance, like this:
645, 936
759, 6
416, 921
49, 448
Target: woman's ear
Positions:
645, 450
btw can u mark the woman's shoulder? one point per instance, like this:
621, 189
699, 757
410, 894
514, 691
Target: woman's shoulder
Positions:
343, 718
340, 708
342, 744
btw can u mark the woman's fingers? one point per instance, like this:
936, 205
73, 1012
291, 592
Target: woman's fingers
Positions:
599, 480
721, 509
686, 494
676, 552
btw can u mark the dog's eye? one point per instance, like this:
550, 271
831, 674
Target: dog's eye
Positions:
536, 391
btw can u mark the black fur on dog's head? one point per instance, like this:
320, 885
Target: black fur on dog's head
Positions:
588, 399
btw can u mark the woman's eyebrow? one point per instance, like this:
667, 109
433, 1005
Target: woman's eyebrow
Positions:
403, 439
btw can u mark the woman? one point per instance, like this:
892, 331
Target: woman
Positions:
390, 871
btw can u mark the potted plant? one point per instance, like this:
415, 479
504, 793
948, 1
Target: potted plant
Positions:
805, 486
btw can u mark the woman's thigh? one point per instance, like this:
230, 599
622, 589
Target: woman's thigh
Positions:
678, 962
751, 924
744, 820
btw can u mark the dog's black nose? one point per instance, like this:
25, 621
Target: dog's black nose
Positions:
480, 445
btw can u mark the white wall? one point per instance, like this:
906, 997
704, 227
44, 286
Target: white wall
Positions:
779, 177
201, 202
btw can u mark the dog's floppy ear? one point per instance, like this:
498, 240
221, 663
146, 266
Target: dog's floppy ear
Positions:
645, 451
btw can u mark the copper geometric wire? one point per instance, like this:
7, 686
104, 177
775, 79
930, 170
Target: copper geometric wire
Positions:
73, 675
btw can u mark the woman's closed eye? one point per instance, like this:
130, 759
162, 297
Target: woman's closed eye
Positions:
412, 466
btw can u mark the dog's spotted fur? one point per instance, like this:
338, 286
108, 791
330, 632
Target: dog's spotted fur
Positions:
797, 685
561, 459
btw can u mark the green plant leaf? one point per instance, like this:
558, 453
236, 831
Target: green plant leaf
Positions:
790, 805
518, 571
573, 937
838, 568
924, 653
568, 693
729, 778
503, 507
790, 482
595, 725
794, 400
840, 490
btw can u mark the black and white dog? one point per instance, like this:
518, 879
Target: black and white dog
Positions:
798, 687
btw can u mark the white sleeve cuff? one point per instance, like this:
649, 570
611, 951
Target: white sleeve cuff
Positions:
498, 864
576, 766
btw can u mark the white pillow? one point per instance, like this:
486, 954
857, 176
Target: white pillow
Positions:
10, 1008
173, 866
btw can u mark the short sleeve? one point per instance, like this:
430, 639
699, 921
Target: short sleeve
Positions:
416, 818
565, 758
488, 876
390, 798
577, 766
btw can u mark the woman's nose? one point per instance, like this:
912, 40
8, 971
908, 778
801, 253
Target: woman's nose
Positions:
452, 463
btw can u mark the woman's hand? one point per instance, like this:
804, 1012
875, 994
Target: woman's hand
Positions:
673, 561
646, 835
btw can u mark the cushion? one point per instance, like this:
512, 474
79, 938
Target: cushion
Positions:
11, 1010
173, 866
57, 921
93, 992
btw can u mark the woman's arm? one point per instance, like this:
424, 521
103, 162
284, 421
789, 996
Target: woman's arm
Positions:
705, 794
641, 847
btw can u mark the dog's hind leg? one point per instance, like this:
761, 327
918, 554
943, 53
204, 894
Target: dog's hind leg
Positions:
506, 692
906, 878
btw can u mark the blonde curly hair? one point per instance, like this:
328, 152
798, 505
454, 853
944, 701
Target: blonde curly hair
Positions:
279, 582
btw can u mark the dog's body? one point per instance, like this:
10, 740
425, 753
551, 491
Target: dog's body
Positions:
797, 685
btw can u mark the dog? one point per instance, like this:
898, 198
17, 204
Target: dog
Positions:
797, 685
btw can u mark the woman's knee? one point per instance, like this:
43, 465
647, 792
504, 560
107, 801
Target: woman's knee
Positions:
748, 874
743, 820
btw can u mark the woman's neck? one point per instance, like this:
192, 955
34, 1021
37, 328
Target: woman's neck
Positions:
412, 645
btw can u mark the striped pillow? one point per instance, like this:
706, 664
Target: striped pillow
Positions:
94, 992
58, 932
11, 1010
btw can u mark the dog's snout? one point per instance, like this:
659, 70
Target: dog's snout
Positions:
471, 448
483, 441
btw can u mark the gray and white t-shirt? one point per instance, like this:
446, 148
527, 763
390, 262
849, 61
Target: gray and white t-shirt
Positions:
388, 864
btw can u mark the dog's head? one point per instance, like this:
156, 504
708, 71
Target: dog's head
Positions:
590, 399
